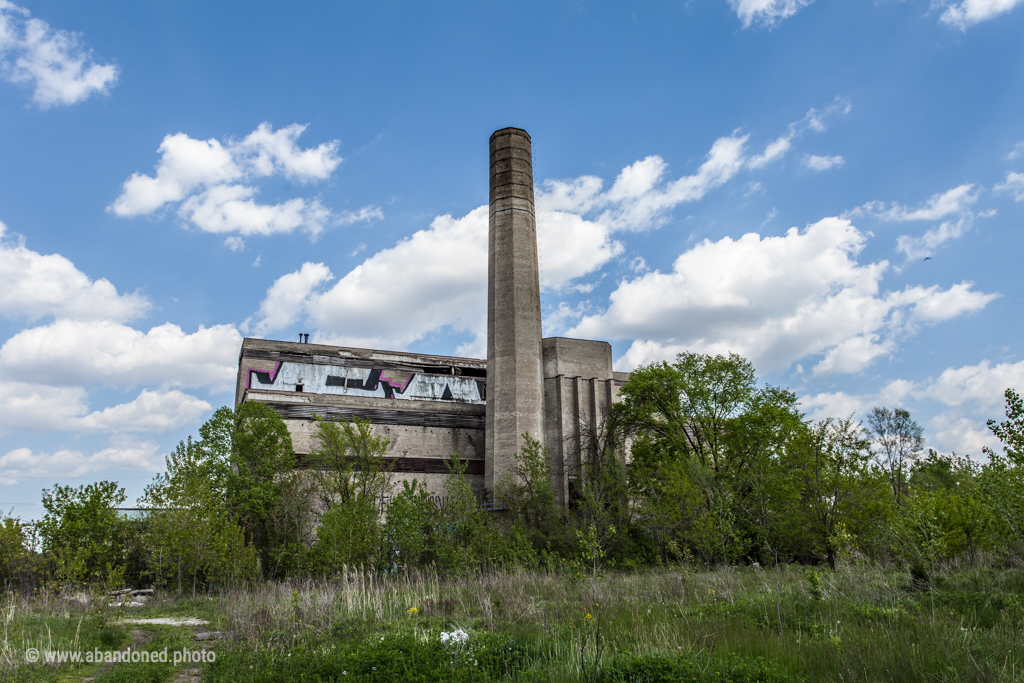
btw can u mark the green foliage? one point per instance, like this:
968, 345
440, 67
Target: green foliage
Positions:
19, 565
900, 441
82, 534
836, 485
402, 657
193, 539
527, 493
686, 669
262, 489
944, 515
410, 528
1001, 482
349, 534
687, 406
348, 462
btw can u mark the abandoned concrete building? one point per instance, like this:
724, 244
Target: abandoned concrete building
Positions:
432, 406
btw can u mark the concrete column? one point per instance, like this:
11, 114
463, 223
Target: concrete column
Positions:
515, 384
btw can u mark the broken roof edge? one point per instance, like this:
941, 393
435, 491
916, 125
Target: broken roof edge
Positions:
256, 344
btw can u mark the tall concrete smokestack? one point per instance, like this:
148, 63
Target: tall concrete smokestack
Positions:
515, 383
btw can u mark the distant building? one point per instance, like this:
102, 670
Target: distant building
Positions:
555, 389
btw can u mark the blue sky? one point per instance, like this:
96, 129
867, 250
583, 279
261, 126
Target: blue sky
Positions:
762, 176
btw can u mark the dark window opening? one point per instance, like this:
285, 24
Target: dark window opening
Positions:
298, 387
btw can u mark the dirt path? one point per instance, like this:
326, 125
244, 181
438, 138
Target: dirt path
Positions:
139, 638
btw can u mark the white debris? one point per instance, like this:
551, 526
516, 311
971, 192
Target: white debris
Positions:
168, 621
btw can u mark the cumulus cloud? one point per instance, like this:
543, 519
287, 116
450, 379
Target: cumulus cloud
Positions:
434, 279
819, 163
33, 285
982, 384
965, 14
32, 407
971, 395
102, 352
744, 296
1017, 151
212, 181
766, 12
37, 407
53, 62
437, 278
122, 454
150, 411
287, 297
1014, 185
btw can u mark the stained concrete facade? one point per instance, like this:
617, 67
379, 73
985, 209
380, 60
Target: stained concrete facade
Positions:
558, 390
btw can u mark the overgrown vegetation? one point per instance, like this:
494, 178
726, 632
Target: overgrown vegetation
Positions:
698, 467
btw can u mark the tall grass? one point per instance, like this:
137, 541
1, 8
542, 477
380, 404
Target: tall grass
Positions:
860, 623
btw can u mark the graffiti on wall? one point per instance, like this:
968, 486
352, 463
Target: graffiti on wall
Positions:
369, 382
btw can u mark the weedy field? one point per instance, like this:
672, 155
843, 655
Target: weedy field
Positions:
859, 623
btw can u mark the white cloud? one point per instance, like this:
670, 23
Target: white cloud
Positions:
267, 152
955, 201
972, 394
434, 279
51, 61
951, 432
185, 164
743, 296
37, 407
213, 183
235, 244
1014, 185
100, 352
230, 208
437, 278
33, 286
766, 12
970, 12
122, 454
982, 384
1017, 151
151, 411
286, 298
920, 247
819, 163
40, 408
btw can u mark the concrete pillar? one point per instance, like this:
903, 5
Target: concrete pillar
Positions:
515, 384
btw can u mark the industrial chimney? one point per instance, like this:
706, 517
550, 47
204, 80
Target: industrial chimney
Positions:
515, 383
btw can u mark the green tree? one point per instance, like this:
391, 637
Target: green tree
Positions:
528, 496
837, 487
688, 405
82, 534
900, 441
759, 441
944, 513
261, 473
1002, 479
19, 565
192, 535
349, 462
410, 528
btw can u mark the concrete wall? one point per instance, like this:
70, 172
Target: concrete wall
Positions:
579, 388
428, 407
